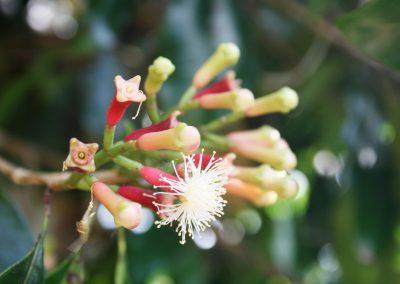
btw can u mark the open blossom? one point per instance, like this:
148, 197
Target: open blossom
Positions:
198, 195
81, 156
127, 92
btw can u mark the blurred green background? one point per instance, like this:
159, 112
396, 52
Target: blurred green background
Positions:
58, 59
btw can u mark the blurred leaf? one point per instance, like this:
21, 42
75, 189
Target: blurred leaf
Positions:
375, 28
60, 272
14, 235
30, 269
159, 251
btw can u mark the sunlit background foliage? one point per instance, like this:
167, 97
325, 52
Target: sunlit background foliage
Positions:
58, 59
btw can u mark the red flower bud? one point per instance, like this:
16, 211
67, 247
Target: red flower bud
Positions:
170, 122
227, 83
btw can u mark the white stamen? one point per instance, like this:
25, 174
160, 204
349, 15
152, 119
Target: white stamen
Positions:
198, 196
137, 112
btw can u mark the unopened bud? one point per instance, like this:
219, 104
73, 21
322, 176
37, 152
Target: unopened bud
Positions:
226, 55
238, 100
263, 136
159, 72
125, 212
287, 188
251, 192
283, 100
81, 156
280, 159
182, 138
168, 123
227, 83
264, 176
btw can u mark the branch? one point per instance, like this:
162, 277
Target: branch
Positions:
29, 153
54, 181
328, 32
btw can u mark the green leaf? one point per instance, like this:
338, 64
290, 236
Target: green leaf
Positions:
375, 29
15, 234
60, 272
30, 269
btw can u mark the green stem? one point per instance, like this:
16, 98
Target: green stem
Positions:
223, 121
121, 269
189, 106
186, 98
162, 155
127, 163
108, 139
219, 142
187, 95
152, 108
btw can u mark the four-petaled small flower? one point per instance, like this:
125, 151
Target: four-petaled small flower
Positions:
81, 156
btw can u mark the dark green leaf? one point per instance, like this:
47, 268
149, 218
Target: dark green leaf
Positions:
14, 235
30, 269
60, 272
375, 28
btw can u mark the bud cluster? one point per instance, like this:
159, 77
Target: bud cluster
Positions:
191, 191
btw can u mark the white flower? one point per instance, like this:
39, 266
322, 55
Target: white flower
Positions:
198, 196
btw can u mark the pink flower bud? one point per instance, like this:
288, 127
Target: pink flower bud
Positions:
283, 100
182, 138
142, 196
227, 83
251, 192
154, 176
269, 179
125, 212
263, 136
126, 93
237, 100
169, 123
81, 156
280, 159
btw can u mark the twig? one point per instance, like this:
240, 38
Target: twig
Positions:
306, 67
54, 180
328, 32
29, 153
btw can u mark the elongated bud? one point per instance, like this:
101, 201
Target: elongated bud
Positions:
154, 175
263, 136
269, 179
287, 187
277, 157
126, 93
251, 192
263, 176
238, 100
182, 138
226, 55
81, 156
142, 196
226, 84
283, 100
159, 72
125, 212
169, 123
